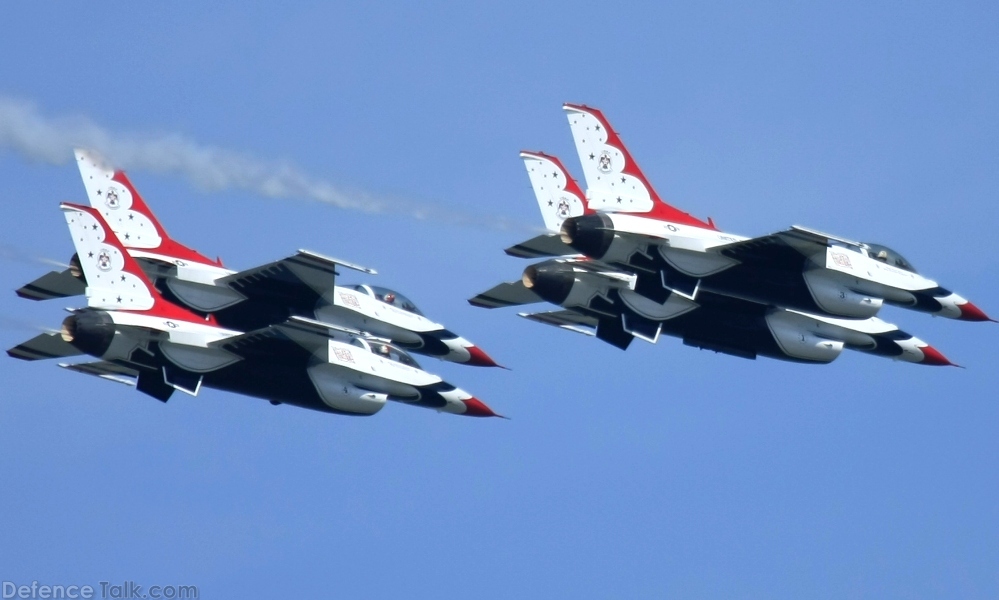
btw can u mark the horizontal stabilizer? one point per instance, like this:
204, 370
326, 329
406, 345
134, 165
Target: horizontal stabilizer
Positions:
54, 284
547, 244
43, 346
505, 294
105, 370
565, 319
601, 269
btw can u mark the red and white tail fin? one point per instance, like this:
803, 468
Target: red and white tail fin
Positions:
115, 281
111, 192
614, 183
559, 196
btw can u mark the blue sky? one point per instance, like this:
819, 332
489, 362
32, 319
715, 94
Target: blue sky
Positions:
663, 471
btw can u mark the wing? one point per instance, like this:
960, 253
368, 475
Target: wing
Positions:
784, 249
303, 277
293, 340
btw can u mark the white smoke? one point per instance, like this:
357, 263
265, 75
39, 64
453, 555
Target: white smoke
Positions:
8, 323
14, 254
24, 130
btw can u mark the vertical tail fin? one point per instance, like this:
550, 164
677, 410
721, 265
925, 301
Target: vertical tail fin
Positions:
111, 192
559, 196
614, 181
115, 281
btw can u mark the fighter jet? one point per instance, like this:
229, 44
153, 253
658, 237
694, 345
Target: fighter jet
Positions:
144, 340
612, 303
301, 285
629, 226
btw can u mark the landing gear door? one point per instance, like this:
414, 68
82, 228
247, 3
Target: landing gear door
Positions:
181, 380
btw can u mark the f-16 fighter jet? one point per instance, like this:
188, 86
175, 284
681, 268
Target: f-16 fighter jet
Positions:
610, 302
801, 269
146, 341
300, 285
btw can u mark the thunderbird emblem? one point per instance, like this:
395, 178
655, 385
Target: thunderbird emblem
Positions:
842, 260
350, 300
111, 199
104, 261
604, 164
343, 355
563, 208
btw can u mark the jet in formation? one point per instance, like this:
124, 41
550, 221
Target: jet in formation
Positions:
163, 318
623, 264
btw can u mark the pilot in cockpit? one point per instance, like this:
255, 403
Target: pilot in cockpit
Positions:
889, 257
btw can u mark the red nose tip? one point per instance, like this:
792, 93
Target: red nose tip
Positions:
476, 408
479, 358
970, 312
932, 356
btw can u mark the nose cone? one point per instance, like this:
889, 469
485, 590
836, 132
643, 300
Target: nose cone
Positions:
465, 352
954, 306
932, 356
476, 408
478, 358
970, 312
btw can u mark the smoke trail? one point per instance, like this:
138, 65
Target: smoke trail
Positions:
8, 323
51, 140
14, 254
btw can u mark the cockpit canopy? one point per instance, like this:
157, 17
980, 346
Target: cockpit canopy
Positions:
388, 297
889, 257
386, 350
